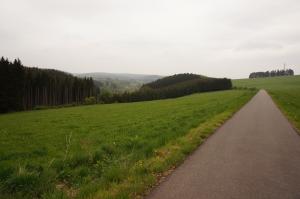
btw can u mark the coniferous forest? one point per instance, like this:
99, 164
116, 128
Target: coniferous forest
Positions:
24, 88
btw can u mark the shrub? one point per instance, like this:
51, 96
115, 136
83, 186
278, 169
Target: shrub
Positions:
90, 100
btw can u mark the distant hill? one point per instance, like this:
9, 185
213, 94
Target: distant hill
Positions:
172, 86
186, 83
173, 80
120, 82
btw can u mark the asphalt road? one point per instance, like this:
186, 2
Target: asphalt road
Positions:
256, 154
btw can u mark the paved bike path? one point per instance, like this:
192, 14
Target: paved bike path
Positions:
256, 154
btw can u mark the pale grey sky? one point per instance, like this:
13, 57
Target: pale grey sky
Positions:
211, 37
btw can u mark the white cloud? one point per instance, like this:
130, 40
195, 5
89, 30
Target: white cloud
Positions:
211, 37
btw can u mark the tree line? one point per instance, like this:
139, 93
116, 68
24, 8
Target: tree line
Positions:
273, 73
23, 88
170, 87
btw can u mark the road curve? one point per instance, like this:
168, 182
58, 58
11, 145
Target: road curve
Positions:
256, 154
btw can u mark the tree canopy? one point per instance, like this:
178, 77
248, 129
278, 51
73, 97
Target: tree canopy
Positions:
23, 88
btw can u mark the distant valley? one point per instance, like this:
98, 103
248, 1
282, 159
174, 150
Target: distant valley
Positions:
119, 82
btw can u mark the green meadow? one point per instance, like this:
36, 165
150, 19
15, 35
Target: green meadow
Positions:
285, 91
107, 151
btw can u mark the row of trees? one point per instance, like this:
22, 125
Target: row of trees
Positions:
23, 88
272, 73
170, 87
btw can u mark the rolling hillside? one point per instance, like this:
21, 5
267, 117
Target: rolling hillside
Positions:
173, 80
171, 87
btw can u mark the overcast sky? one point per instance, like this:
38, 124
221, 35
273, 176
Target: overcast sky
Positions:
211, 37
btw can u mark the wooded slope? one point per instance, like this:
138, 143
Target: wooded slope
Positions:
23, 88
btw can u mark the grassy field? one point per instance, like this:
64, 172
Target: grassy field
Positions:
284, 90
105, 151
